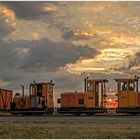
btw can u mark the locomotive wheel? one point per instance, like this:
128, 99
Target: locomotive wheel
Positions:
134, 114
90, 114
76, 114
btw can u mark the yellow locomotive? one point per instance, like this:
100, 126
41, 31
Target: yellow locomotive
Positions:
128, 97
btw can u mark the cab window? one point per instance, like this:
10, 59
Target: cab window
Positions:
50, 88
131, 85
123, 86
89, 86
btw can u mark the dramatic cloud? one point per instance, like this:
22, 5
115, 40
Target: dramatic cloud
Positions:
30, 10
26, 60
26, 9
5, 29
135, 66
77, 34
52, 55
44, 53
66, 41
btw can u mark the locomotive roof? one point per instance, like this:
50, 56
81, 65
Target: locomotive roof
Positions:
127, 79
98, 80
50, 83
6, 89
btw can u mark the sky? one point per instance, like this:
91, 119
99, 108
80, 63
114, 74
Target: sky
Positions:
67, 41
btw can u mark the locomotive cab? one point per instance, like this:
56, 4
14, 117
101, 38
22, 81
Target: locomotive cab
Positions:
127, 94
95, 94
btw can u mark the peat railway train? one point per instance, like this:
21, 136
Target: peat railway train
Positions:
92, 100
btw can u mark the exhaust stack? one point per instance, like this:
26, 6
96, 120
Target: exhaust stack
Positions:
22, 90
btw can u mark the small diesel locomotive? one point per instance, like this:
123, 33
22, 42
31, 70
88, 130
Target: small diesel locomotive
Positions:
39, 100
90, 102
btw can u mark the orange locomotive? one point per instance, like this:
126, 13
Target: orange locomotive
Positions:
39, 100
90, 102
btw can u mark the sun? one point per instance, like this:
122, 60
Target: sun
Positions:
110, 100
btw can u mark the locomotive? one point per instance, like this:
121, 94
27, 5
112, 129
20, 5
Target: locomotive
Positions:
39, 100
128, 96
90, 102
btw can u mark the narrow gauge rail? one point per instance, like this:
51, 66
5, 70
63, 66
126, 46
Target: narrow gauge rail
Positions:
70, 119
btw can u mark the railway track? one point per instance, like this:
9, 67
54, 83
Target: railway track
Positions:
71, 119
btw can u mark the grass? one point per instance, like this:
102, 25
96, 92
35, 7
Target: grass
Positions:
69, 130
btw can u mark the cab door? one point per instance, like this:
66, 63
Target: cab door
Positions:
90, 95
122, 94
132, 95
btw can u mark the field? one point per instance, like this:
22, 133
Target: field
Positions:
71, 130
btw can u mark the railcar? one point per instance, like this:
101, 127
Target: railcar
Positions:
5, 99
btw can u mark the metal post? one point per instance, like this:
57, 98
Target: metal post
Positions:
22, 96
22, 90
102, 94
85, 85
137, 86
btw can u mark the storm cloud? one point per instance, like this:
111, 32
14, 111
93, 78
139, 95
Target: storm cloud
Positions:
5, 29
65, 41
53, 55
42, 53
26, 9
